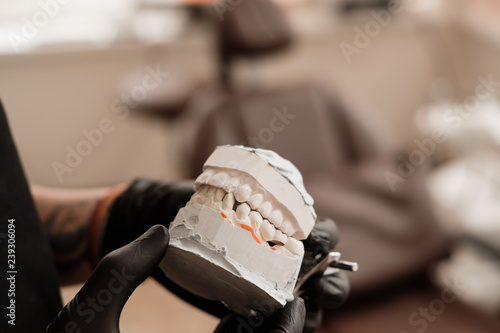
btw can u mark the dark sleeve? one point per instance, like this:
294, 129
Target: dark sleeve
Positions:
37, 298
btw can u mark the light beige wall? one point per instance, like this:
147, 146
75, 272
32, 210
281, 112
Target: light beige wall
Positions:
51, 98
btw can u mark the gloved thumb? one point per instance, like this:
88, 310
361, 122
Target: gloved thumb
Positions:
323, 237
98, 305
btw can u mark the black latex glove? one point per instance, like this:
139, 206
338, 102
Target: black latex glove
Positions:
98, 305
147, 202
290, 319
323, 292
143, 204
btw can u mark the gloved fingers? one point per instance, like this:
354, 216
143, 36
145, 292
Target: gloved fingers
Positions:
323, 237
183, 190
227, 324
328, 291
97, 306
145, 203
125, 268
314, 317
290, 319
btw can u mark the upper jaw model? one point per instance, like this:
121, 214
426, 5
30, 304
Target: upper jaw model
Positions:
238, 238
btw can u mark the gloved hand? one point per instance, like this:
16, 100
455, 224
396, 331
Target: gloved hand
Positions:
144, 203
289, 319
97, 306
147, 202
327, 291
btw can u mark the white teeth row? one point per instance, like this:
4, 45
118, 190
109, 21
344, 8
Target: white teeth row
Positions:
228, 202
243, 194
263, 219
243, 211
255, 200
219, 194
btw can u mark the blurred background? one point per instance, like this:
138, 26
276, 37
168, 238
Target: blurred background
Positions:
98, 93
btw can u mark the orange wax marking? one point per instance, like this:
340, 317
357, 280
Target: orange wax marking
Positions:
225, 216
249, 228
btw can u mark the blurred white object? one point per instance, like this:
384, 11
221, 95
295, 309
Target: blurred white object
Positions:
77, 22
159, 26
26, 26
465, 193
476, 278
468, 129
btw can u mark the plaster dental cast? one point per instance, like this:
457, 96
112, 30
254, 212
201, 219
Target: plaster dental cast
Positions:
238, 240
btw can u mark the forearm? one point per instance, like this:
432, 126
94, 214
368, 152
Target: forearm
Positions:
66, 216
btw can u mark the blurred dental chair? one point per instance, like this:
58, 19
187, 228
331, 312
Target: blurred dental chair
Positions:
250, 29
349, 6
244, 29
344, 152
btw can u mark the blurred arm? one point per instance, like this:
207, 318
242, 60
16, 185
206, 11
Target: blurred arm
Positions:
66, 215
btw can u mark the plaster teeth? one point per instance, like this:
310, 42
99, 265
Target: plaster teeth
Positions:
219, 194
295, 246
255, 220
204, 177
222, 192
266, 230
203, 190
276, 218
242, 211
281, 249
231, 185
279, 238
197, 198
211, 192
265, 209
255, 200
219, 179
287, 228
243, 193
228, 202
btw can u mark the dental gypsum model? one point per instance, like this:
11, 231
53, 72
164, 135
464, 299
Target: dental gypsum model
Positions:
238, 240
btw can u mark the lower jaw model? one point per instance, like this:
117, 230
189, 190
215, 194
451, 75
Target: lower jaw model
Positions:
238, 240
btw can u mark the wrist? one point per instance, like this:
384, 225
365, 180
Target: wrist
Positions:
98, 223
